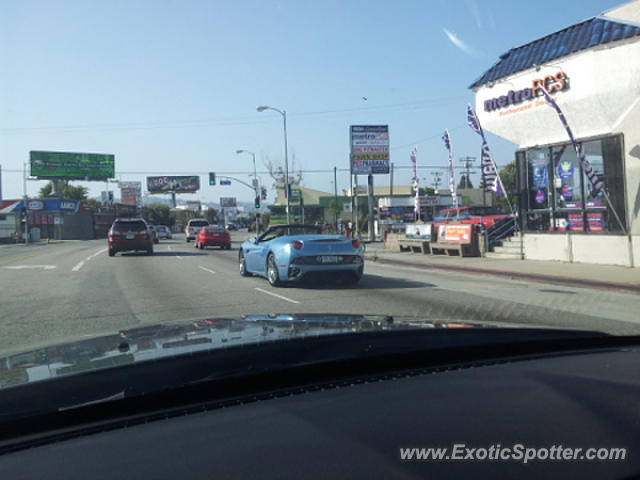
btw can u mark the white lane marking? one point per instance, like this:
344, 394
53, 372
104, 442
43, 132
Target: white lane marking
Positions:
178, 257
276, 295
78, 266
21, 267
205, 269
96, 254
169, 247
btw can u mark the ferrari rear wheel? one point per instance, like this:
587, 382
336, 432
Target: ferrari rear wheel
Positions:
272, 271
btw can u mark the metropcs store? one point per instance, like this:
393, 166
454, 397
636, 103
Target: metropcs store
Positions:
592, 70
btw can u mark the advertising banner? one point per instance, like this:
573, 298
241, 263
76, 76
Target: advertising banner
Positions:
128, 196
369, 149
75, 166
228, 202
454, 233
418, 231
177, 184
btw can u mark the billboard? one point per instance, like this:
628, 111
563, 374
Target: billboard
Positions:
228, 202
177, 184
129, 196
369, 149
72, 166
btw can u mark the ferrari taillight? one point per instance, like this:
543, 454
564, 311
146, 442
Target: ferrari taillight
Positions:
355, 243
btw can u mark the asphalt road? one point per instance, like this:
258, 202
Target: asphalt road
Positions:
73, 290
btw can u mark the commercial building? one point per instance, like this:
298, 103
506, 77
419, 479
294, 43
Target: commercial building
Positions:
592, 70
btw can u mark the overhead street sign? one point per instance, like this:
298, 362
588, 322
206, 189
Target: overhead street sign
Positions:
225, 182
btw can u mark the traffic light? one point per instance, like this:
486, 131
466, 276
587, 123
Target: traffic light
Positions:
263, 192
257, 201
212, 178
23, 213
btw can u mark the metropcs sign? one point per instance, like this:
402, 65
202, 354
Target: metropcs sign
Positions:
551, 83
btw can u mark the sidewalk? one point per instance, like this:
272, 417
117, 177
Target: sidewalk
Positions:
570, 274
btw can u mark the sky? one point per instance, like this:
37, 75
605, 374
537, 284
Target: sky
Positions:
171, 87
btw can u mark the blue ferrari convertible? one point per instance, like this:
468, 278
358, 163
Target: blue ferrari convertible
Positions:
291, 253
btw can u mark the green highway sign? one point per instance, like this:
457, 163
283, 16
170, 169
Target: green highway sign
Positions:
72, 166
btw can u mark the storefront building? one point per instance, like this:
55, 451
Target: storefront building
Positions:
592, 70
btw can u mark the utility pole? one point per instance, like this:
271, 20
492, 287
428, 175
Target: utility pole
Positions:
370, 205
26, 201
467, 165
436, 180
335, 193
391, 181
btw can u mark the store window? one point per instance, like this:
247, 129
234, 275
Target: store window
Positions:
557, 196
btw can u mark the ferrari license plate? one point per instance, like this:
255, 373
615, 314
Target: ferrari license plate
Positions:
131, 236
328, 259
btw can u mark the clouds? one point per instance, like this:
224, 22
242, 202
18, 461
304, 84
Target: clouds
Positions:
457, 42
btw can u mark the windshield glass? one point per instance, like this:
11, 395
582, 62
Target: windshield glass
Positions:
348, 158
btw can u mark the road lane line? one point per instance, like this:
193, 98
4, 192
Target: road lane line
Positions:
205, 269
21, 267
22, 257
169, 247
178, 257
96, 254
276, 295
78, 266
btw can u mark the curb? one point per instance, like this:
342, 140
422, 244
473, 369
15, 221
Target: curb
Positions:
534, 277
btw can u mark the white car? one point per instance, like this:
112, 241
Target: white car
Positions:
163, 231
193, 227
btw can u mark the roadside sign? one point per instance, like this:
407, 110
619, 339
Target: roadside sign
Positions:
429, 201
228, 202
369, 149
225, 182
296, 196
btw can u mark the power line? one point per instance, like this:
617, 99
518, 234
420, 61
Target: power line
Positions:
229, 121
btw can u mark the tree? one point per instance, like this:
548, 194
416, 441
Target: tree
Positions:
277, 172
64, 190
335, 208
465, 182
508, 177
212, 216
94, 204
160, 214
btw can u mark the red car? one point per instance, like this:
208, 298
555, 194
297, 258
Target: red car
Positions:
212, 236
130, 234
479, 215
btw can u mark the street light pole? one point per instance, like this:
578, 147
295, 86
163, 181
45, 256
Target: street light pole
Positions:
255, 183
286, 155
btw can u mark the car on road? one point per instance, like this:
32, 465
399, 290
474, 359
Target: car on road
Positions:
475, 215
213, 236
232, 227
193, 227
163, 231
154, 233
292, 253
129, 234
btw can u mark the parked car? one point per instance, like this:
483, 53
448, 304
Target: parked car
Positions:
129, 234
213, 236
193, 227
477, 215
154, 233
291, 253
163, 231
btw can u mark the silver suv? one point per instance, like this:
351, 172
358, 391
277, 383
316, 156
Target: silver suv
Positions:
193, 227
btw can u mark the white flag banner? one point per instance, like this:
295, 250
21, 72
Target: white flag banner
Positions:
452, 179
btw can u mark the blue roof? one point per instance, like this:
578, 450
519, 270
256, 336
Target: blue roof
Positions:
583, 35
